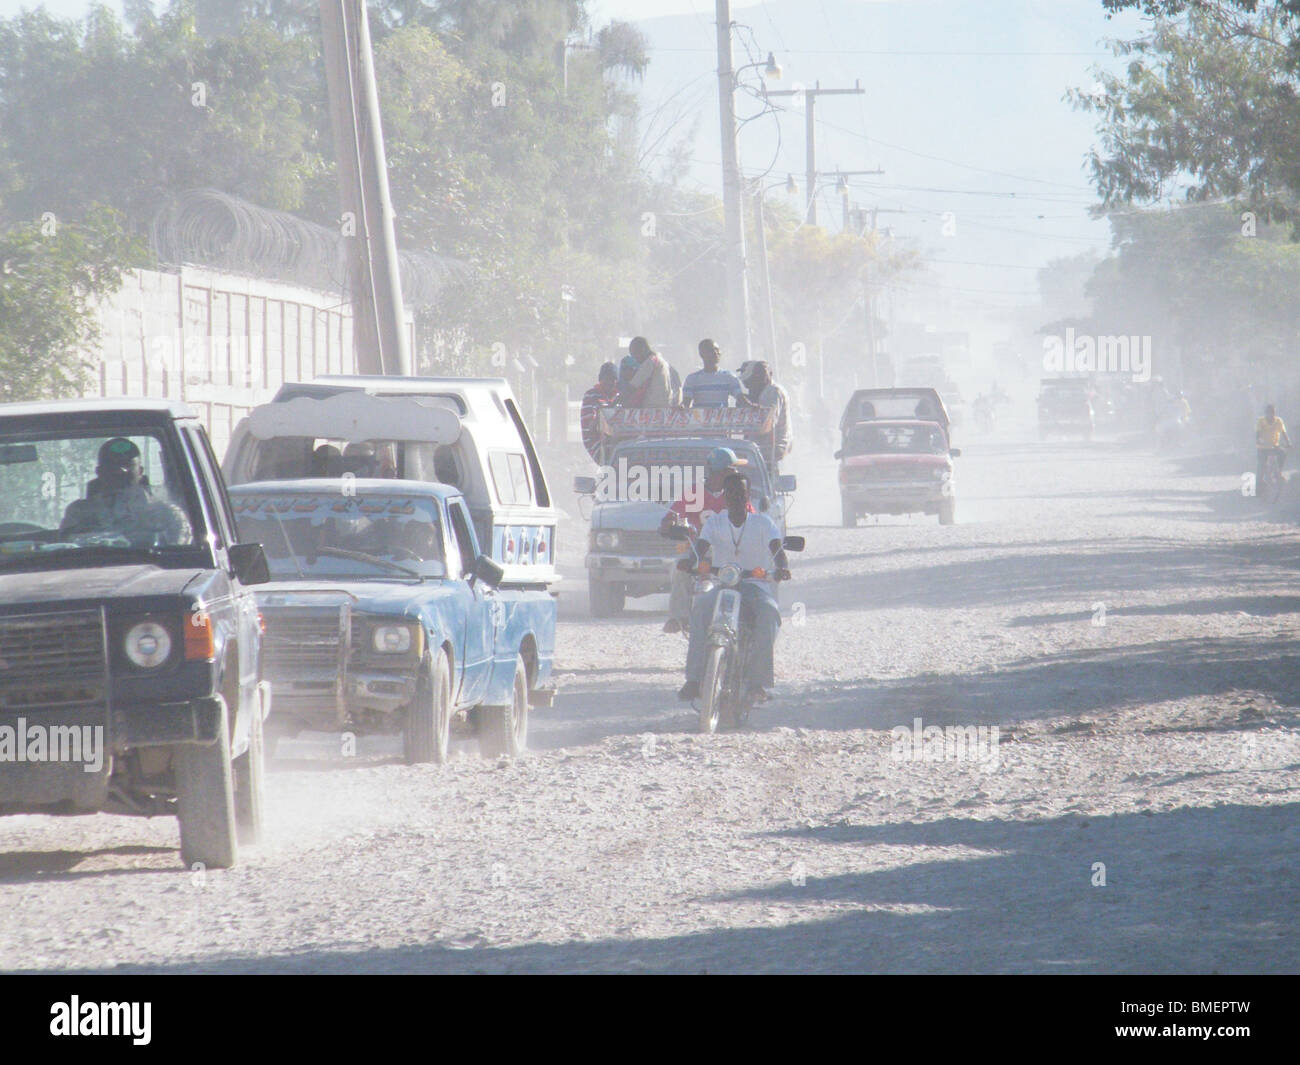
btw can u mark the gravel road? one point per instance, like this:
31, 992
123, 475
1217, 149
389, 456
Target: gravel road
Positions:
1127, 623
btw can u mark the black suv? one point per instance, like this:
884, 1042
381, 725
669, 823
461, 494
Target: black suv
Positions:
130, 642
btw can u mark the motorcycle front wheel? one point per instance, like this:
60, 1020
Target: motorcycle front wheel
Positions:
711, 692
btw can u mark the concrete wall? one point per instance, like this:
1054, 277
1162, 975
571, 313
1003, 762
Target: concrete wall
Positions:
222, 343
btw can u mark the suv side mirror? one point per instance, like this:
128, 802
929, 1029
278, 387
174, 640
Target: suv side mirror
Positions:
955, 452
838, 455
488, 571
248, 563
584, 486
786, 483
793, 543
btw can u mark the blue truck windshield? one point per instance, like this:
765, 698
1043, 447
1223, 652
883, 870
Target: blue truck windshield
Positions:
310, 536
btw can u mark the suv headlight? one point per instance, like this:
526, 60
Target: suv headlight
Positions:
147, 644
607, 540
942, 473
392, 639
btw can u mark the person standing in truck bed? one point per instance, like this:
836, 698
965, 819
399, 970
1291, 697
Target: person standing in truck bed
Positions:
603, 394
651, 385
712, 387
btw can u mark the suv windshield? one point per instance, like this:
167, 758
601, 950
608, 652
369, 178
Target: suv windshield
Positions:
315, 535
64, 492
895, 440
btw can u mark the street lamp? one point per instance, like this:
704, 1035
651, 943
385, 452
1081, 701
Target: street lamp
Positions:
773, 69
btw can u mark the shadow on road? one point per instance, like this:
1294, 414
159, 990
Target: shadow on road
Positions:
1104, 570
1089, 680
1194, 890
19, 867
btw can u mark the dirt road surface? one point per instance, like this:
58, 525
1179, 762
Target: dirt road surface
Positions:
1127, 623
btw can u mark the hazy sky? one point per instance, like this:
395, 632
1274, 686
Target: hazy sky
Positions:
603, 9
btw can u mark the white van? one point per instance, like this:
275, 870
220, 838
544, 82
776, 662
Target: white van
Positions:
463, 432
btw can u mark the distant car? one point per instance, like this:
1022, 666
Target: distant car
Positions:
1065, 408
126, 613
895, 456
382, 615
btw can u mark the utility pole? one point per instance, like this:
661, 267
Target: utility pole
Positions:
378, 321
869, 298
732, 205
769, 315
810, 134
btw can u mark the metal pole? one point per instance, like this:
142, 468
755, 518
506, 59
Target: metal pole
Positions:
767, 279
379, 322
810, 150
737, 292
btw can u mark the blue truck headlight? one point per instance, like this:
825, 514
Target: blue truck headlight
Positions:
147, 644
607, 540
392, 639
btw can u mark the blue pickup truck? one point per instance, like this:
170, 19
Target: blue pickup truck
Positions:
412, 538
383, 615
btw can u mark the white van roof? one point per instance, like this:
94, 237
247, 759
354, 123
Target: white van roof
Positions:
351, 416
480, 399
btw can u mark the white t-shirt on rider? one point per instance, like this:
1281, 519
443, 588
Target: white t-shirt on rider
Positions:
747, 546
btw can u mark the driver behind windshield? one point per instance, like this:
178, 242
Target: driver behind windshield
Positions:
120, 500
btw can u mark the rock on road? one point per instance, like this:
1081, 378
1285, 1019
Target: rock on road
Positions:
1127, 622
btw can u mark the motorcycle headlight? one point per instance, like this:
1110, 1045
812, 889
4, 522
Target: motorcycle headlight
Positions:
147, 644
392, 639
607, 540
729, 576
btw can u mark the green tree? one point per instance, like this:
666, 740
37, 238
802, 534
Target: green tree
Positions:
90, 113
1208, 104
51, 276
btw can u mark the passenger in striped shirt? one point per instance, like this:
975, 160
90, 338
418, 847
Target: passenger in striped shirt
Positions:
711, 387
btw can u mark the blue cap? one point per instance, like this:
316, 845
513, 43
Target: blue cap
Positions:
723, 458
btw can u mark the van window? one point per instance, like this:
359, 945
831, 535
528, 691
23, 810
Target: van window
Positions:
539, 480
510, 475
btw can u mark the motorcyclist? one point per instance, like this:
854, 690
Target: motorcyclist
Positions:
121, 500
738, 536
720, 462
1270, 435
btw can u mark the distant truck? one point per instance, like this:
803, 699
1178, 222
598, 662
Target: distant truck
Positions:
895, 455
130, 643
1065, 408
650, 453
375, 495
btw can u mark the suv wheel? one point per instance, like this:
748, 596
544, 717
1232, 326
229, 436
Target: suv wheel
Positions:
606, 599
250, 776
948, 511
205, 799
848, 514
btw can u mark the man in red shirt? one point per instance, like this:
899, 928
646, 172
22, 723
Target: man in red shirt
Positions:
604, 394
721, 462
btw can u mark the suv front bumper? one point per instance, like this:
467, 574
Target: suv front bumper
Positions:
652, 573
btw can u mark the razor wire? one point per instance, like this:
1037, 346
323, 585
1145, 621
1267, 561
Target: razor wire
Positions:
207, 227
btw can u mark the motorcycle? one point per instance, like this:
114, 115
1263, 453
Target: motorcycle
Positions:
723, 697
